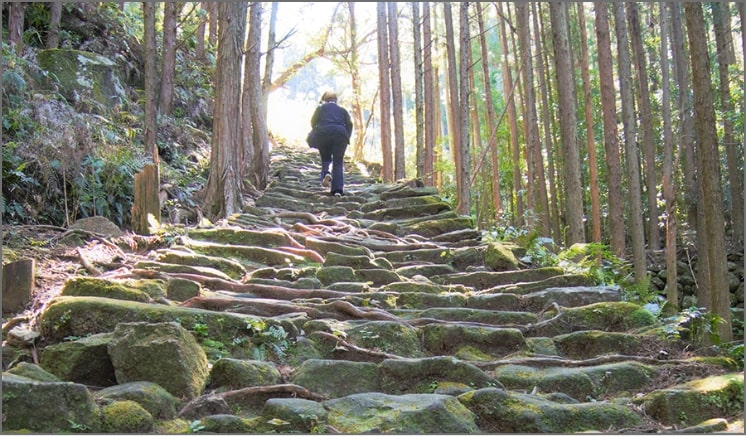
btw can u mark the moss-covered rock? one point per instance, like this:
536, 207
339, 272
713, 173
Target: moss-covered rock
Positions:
152, 397
48, 407
33, 371
126, 417
499, 257
228, 266
440, 339
85, 360
500, 411
413, 414
337, 378
228, 373
405, 376
390, 337
292, 415
697, 400
82, 73
129, 289
162, 353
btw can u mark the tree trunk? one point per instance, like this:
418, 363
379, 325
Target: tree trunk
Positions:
713, 225
170, 18
419, 108
611, 133
464, 161
669, 173
53, 35
589, 124
517, 204
357, 109
385, 87
396, 95
734, 156
491, 118
537, 183
16, 13
199, 49
212, 36
568, 123
636, 228
222, 195
269, 58
545, 84
453, 117
260, 137
146, 207
430, 91
646, 121
684, 104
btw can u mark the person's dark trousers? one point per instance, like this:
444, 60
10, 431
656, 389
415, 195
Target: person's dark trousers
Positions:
333, 154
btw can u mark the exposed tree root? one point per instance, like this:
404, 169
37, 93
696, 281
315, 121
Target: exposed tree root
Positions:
371, 355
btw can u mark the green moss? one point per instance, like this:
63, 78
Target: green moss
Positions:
126, 417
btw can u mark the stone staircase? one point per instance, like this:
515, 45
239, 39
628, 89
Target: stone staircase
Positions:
380, 311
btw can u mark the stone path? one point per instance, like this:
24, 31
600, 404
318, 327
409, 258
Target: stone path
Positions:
384, 311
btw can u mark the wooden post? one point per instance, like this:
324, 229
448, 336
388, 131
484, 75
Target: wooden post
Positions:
147, 201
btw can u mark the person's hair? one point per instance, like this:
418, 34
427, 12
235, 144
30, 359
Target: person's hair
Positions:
329, 96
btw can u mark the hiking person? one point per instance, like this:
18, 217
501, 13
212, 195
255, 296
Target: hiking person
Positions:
331, 130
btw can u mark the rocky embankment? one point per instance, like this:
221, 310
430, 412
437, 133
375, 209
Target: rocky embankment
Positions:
381, 311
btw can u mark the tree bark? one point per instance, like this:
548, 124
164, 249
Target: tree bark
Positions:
734, 156
491, 118
538, 201
222, 195
430, 91
464, 161
357, 109
669, 173
384, 72
452, 114
199, 49
260, 135
545, 84
713, 225
634, 216
419, 99
53, 35
517, 202
168, 68
589, 125
396, 94
611, 133
646, 121
568, 123
16, 13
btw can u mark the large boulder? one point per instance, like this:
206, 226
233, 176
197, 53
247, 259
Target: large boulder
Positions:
85, 76
162, 353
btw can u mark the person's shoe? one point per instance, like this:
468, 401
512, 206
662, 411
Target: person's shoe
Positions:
337, 194
327, 180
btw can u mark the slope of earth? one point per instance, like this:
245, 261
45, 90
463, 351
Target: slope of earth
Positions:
380, 311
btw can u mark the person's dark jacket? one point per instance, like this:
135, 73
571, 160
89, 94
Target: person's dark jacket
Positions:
330, 120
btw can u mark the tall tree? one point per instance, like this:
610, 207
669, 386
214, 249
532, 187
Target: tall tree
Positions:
537, 182
269, 58
146, 202
685, 133
384, 74
646, 121
168, 60
491, 118
546, 89
669, 172
517, 204
734, 156
611, 133
260, 138
568, 122
709, 166
199, 48
430, 87
462, 146
453, 97
222, 193
396, 94
589, 126
356, 109
419, 98
634, 215
16, 14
